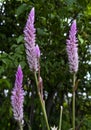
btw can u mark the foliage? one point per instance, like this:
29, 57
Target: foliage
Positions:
52, 18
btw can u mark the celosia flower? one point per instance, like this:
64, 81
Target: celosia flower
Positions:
32, 50
72, 48
17, 97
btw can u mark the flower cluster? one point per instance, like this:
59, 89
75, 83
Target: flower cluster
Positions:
17, 97
32, 50
33, 55
72, 49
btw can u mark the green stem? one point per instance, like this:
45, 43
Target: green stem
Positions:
42, 103
60, 121
74, 80
20, 125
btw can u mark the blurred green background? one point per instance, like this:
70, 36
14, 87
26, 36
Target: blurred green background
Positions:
52, 21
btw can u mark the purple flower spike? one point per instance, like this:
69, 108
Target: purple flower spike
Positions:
17, 97
29, 37
72, 48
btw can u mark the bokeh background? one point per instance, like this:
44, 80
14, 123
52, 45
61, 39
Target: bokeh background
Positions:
52, 21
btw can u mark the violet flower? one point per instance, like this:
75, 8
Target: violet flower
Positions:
32, 50
72, 48
17, 97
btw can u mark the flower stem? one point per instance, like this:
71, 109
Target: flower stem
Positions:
42, 103
20, 125
74, 80
60, 121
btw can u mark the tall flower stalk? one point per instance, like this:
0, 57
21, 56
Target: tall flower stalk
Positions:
60, 121
17, 98
41, 100
33, 57
73, 106
72, 51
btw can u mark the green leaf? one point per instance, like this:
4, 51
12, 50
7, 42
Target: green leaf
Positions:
42, 31
80, 39
21, 9
19, 39
70, 2
4, 83
87, 12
